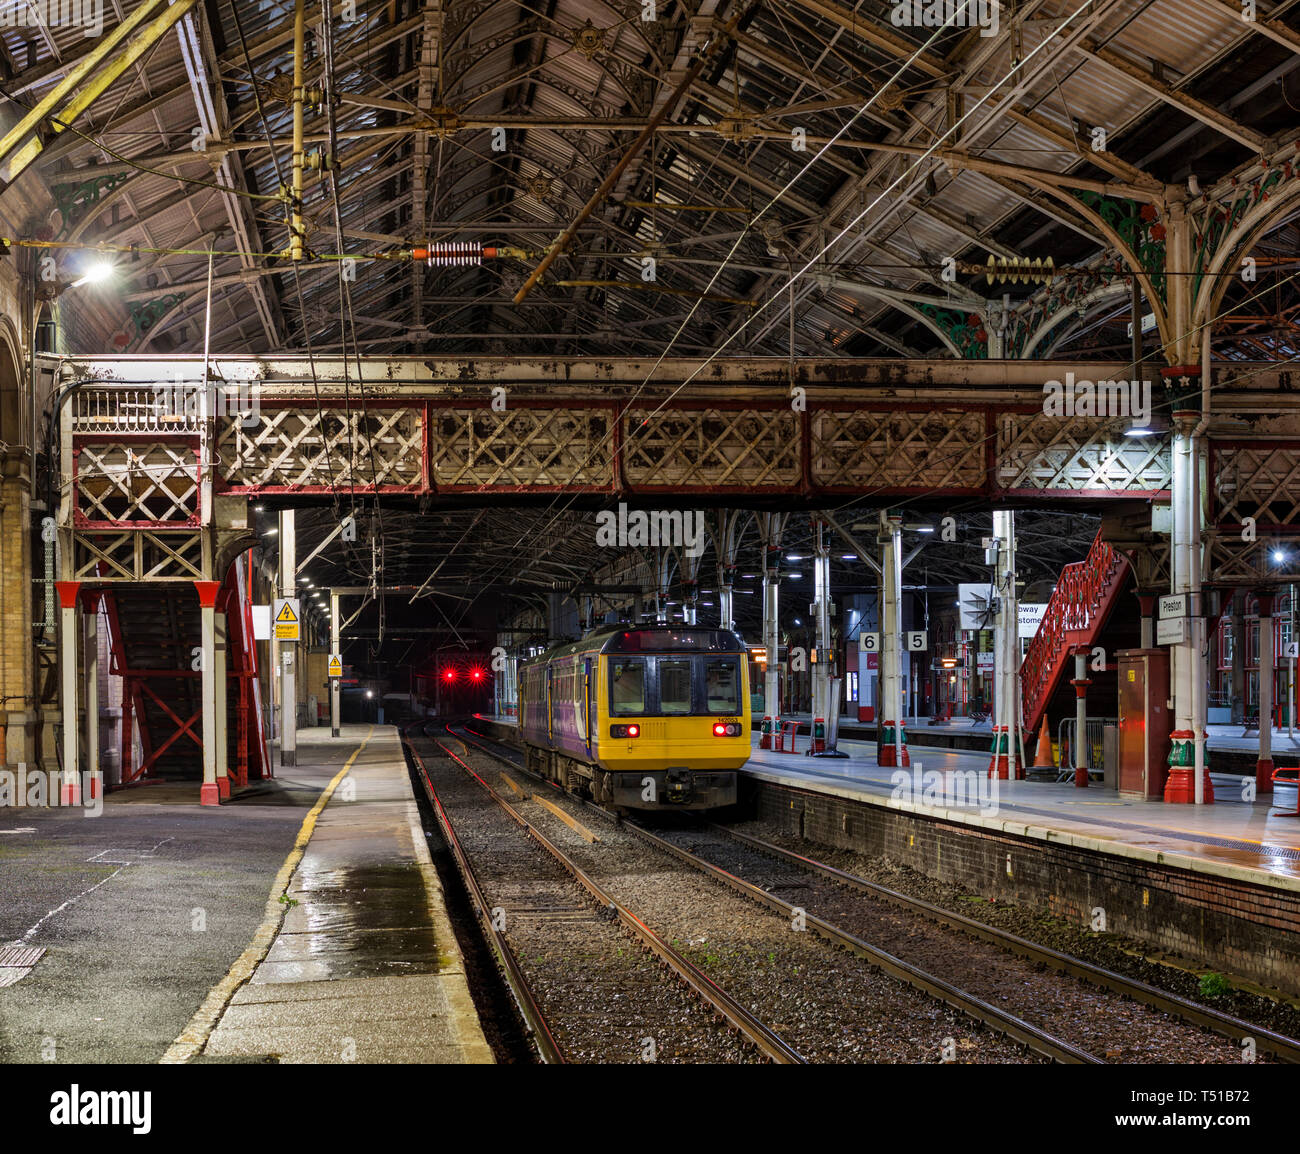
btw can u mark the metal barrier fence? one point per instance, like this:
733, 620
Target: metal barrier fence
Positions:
1093, 734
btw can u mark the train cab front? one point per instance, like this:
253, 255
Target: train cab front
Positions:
674, 730
688, 763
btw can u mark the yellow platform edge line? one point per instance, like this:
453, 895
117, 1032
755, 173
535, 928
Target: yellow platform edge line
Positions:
195, 1036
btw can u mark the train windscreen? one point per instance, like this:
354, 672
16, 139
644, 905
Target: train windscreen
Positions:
722, 685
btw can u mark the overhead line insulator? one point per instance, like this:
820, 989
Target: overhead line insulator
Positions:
465, 252
451, 253
1019, 270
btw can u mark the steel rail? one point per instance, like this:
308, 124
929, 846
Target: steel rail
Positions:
1278, 1045
1036, 1040
534, 1019
768, 1042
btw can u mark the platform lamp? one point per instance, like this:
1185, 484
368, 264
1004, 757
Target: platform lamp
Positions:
47, 287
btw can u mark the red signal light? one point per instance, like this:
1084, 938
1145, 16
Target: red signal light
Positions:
477, 674
450, 675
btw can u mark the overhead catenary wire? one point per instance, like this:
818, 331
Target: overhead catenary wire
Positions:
302, 310
348, 320
952, 129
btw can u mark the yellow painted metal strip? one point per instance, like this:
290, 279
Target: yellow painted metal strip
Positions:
95, 85
73, 78
581, 830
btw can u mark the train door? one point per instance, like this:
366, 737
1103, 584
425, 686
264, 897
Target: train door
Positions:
589, 704
550, 710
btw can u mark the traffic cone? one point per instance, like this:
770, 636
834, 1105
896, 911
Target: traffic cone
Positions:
1044, 767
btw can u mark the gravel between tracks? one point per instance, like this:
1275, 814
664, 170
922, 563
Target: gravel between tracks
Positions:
828, 1004
1110, 951
1096, 1020
602, 994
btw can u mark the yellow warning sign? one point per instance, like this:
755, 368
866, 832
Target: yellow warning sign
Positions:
286, 619
336, 665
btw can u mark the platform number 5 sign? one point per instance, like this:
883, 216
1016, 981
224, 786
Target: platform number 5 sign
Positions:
916, 640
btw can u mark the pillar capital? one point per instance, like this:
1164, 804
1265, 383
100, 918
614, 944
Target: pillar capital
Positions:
207, 591
1183, 388
1266, 599
68, 591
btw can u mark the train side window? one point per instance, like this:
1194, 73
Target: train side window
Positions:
627, 686
722, 685
674, 685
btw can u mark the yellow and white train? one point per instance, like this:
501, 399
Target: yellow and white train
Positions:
643, 717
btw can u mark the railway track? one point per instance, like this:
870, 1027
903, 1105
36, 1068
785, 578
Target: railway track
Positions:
540, 915
1036, 1041
1279, 1046
538, 1028
853, 915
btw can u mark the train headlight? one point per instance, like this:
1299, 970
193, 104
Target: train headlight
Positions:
625, 731
726, 729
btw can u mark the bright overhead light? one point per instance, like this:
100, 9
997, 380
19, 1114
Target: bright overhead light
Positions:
270, 532
793, 557
848, 556
795, 576
96, 273
1139, 431
1278, 555
925, 528
797, 621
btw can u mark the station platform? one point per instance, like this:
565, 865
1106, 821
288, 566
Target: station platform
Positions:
1232, 750
144, 932
1231, 838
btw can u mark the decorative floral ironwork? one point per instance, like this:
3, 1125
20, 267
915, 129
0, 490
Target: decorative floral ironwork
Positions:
965, 330
1139, 229
145, 314
77, 198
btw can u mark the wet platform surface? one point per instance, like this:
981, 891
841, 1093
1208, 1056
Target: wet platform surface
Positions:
138, 909
364, 966
1251, 840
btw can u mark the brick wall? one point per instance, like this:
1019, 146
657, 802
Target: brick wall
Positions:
1220, 923
16, 675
